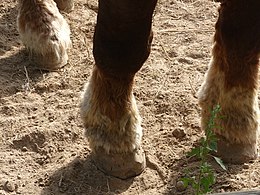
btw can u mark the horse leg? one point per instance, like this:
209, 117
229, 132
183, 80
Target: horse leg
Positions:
232, 81
111, 119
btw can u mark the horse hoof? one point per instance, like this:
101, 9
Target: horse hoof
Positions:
236, 153
120, 165
65, 5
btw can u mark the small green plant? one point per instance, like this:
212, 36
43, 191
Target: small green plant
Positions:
205, 179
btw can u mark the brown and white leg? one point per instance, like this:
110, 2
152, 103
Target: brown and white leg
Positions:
44, 32
108, 110
232, 81
237, 123
113, 125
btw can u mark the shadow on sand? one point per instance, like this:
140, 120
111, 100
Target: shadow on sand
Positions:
82, 177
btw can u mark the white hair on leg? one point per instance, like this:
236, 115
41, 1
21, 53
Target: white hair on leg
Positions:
122, 134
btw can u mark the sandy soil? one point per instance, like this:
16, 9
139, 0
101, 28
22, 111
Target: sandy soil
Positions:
42, 148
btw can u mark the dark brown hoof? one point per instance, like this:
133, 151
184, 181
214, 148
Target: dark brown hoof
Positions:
121, 165
236, 153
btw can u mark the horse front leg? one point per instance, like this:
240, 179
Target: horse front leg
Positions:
232, 81
111, 119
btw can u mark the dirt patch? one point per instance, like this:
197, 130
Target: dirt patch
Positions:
43, 150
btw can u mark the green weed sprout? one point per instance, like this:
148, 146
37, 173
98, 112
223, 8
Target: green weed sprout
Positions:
205, 179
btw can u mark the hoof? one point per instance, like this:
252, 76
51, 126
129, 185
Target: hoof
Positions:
51, 67
65, 5
49, 61
236, 153
120, 165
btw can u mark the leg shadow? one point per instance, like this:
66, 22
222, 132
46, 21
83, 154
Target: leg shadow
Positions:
9, 36
82, 177
17, 74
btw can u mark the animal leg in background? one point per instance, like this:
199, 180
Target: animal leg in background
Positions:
44, 32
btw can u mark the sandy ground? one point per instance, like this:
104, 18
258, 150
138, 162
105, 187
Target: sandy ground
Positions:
42, 148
